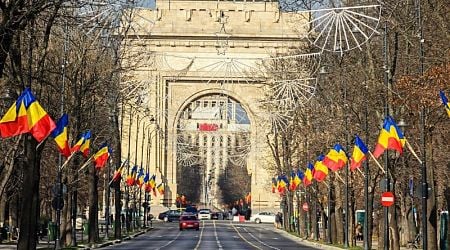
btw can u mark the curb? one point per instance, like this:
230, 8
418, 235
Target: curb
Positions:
119, 241
308, 242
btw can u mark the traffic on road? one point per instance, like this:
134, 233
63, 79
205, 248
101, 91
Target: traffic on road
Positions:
213, 234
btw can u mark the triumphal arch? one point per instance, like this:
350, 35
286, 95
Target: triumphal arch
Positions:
203, 68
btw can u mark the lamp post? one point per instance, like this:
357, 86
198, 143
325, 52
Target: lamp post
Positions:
366, 180
386, 154
59, 193
127, 189
149, 148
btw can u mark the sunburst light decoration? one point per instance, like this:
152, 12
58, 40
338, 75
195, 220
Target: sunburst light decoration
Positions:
343, 29
111, 17
228, 70
293, 93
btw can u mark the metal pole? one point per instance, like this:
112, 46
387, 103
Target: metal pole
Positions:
135, 221
422, 134
329, 241
366, 182
108, 175
316, 224
140, 189
386, 155
59, 194
346, 171
127, 189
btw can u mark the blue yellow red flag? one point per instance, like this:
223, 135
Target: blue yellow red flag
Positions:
336, 158
160, 189
102, 155
320, 170
84, 148
391, 137
445, 102
359, 154
60, 135
307, 180
131, 178
26, 115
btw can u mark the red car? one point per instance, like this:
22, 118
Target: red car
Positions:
189, 221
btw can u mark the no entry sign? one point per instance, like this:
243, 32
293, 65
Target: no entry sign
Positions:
305, 207
387, 199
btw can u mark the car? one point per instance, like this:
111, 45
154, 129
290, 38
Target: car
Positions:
191, 209
214, 215
204, 214
263, 217
170, 215
189, 221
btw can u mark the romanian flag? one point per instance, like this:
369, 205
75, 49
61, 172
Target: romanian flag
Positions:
86, 144
26, 115
60, 135
77, 145
359, 154
300, 176
102, 155
274, 184
117, 177
297, 179
391, 137
147, 187
282, 183
307, 179
336, 158
131, 178
140, 177
445, 102
153, 184
320, 170
160, 188
292, 185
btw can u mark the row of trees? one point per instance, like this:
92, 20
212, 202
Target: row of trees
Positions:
350, 100
70, 53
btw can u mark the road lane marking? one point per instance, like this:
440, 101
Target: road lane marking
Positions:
257, 239
200, 237
248, 242
170, 242
217, 237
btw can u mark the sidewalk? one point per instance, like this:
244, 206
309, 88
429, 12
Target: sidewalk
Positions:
319, 245
49, 245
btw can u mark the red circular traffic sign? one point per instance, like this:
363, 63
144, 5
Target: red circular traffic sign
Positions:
387, 199
305, 207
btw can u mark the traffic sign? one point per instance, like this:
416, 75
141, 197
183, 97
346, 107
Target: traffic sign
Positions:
387, 199
305, 207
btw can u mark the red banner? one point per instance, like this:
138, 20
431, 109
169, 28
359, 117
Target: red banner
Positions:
208, 127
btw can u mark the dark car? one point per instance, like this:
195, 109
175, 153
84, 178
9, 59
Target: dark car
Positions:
191, 209
170, 215
189, 221
214, 215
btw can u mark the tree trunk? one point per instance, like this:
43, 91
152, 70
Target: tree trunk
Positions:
432, 230
93, 205
393, 227
117, 162
66, 225
30, 194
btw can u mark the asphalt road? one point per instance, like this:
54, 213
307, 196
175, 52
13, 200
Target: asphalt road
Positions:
212, 235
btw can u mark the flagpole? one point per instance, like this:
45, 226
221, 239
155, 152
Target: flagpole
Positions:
367, 240
377, 163
86, 163
413, 152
